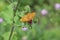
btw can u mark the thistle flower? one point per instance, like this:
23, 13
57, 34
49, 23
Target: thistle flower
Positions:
57, 6
1, 20
24, 28
44, 11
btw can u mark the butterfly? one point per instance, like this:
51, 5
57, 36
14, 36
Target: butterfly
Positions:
28, 17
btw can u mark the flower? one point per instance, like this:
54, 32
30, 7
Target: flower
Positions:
57, 6
1, 20
44, 12
24, 28
28, 17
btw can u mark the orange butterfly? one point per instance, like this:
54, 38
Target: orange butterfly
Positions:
28, 17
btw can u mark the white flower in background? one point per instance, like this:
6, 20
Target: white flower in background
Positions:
44, 11
24, 28
1, 20
57, 6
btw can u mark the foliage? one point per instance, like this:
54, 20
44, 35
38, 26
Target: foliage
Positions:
44, 27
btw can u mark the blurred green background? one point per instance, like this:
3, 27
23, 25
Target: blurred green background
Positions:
44, 26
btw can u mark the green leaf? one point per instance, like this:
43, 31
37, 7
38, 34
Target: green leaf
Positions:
27, 8
7, 14
7, 34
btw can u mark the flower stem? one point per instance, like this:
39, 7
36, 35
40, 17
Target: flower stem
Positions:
14, 10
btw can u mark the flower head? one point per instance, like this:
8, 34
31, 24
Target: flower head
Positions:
1, 20
44, 12
24, 28
28, 17
57, 6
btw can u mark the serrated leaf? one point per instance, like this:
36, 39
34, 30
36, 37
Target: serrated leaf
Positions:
8, 14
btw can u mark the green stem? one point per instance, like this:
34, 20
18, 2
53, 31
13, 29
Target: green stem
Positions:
12, 29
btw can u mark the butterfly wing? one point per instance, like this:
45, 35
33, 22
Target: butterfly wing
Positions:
28, 17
